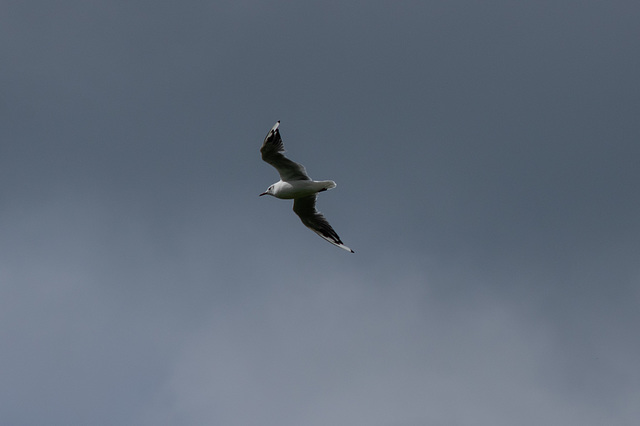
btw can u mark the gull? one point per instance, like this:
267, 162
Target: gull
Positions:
297, 185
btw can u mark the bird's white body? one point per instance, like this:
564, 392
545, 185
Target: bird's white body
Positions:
288, 190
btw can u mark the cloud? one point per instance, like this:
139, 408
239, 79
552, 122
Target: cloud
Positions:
340, 350
485, 161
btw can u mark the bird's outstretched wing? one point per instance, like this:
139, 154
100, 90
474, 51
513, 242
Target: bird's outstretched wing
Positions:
272, 149
305, 208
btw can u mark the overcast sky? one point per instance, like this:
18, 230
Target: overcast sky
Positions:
487, 160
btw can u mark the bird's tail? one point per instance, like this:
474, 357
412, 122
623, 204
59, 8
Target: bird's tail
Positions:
329, 184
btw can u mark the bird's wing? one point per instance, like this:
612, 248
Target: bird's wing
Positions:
305, 208
272, 149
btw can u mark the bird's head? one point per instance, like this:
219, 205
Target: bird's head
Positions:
269, 191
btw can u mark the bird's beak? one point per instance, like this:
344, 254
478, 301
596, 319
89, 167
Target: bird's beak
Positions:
264, 193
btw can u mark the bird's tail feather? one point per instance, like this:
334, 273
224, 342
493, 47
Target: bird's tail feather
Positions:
329, 184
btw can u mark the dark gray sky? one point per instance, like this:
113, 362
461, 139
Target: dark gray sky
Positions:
486, 155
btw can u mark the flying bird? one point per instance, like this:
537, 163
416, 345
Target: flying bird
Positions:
297, 185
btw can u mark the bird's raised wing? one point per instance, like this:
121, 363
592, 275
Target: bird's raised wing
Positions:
305, 208
272, 149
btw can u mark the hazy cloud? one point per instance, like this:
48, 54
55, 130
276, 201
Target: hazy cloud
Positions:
486, 161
